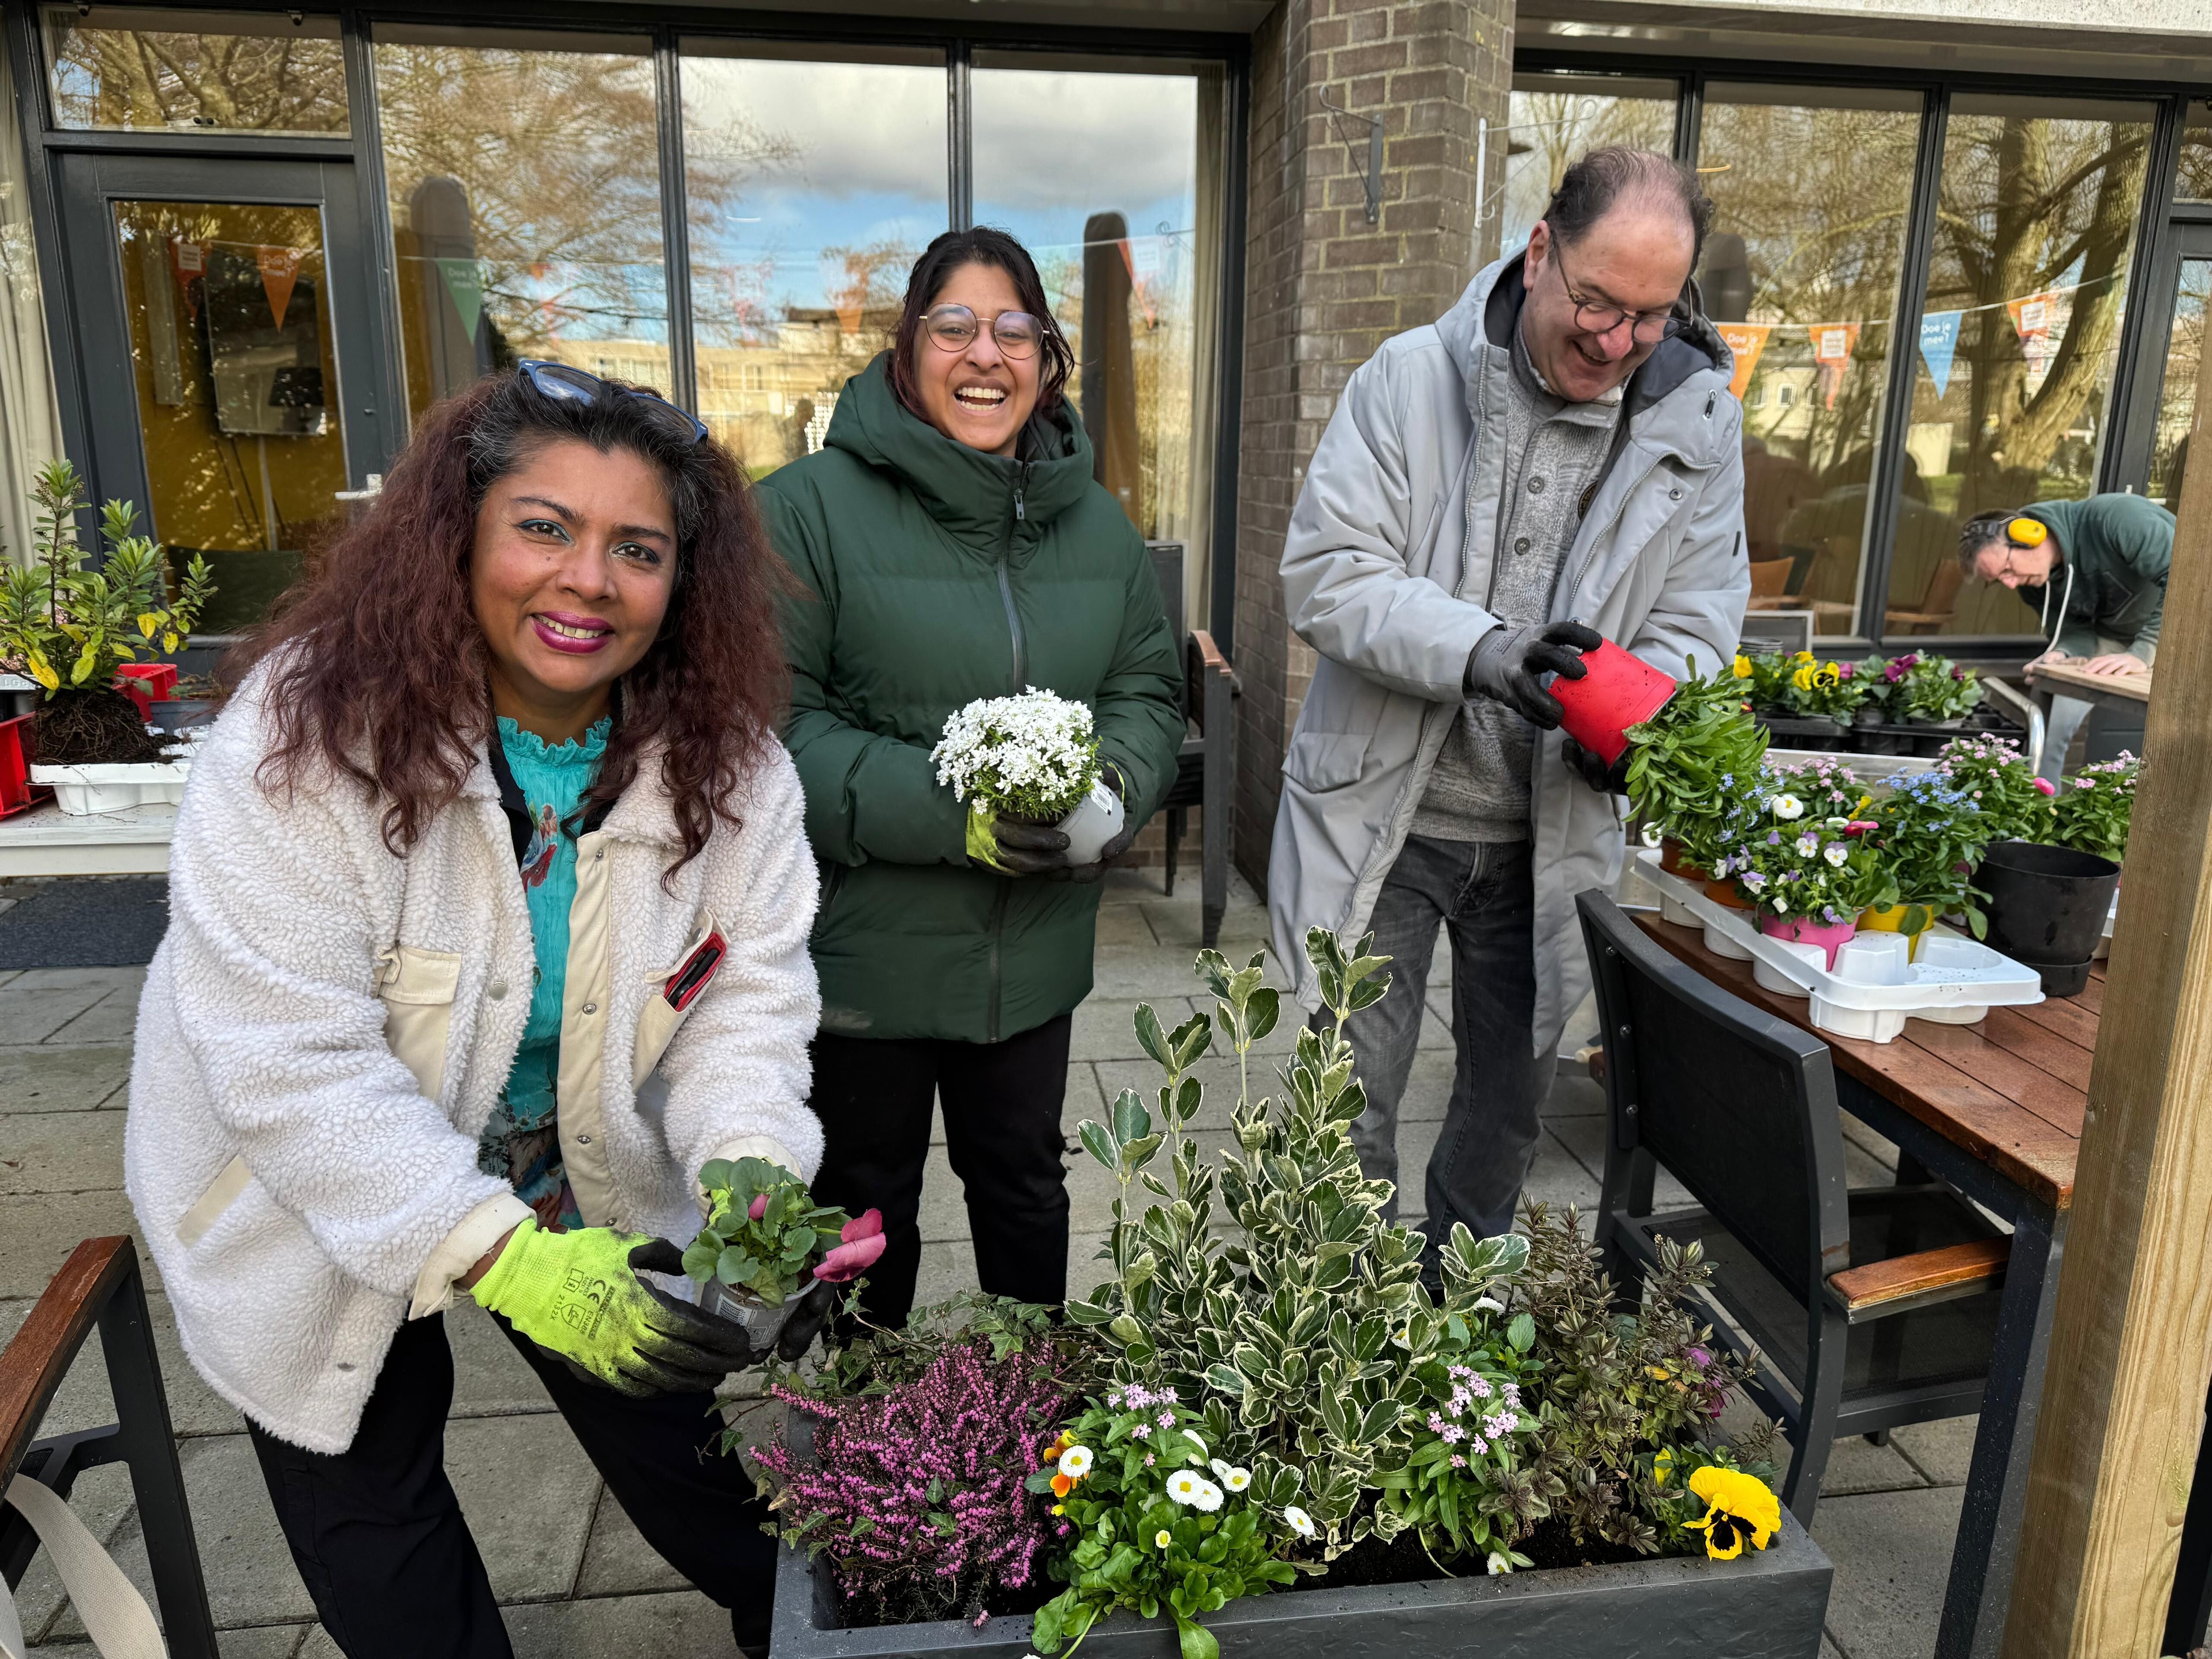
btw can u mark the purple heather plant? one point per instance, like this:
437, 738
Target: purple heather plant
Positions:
917, 1495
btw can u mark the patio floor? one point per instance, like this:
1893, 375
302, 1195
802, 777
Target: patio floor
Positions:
574, 1575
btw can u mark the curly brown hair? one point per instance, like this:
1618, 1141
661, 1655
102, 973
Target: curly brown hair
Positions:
377, 667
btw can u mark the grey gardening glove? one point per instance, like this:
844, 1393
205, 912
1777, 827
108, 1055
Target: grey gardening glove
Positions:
1508, 663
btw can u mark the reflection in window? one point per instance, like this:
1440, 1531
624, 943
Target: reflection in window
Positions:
1112, 178
524, 174
2177, 396
1557, 118
2194, 183
1812, 190
811, 186
142, 71
2022, 331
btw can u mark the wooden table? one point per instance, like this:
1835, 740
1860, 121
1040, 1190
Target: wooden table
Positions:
1995, 1109
2050, 680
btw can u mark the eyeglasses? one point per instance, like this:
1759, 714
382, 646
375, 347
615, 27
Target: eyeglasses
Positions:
954, 328
565, 384
1645, 327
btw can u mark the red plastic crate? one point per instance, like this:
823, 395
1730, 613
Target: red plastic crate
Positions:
147, 684
17, 750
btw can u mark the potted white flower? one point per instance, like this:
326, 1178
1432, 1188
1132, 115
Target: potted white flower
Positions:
1032, 757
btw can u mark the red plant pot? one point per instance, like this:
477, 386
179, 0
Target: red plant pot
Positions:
1618, 691
17, 751
146, 684
1724, 892
1673, 862
1801, 930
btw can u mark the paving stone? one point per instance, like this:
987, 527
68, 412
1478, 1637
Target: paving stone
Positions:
34, 1012
1575, 1093
1244, 928
528, 1493
62, 1153
37, 1232
262, 1641
112, 1019
1829, 1650
1943, 1451
1125, 924
1585, 1138
1137, 970
83, 1401
1893, 1557
1104, 1027
490, 1379
1856, 1467
682, 1622
618, 1561
53, 1078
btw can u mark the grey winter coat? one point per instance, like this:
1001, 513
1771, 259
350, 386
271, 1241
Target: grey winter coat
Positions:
1385, 568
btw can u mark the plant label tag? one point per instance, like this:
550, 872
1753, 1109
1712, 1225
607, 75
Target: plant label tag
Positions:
684, 985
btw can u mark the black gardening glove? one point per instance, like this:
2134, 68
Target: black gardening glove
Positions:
1508, 663
1606, 780
812, 1312
1122, 837
1030, 849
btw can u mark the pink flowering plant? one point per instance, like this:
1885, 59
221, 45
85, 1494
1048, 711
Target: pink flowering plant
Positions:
1453, 1493
918, 1495
765, 1234
2091, 811
1799, 865
2014, 802
1160, 1524
1923, 686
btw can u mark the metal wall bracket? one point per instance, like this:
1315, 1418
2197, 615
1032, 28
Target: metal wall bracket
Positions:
1371, 175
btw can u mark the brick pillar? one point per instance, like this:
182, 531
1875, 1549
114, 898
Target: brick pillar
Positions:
1325, 287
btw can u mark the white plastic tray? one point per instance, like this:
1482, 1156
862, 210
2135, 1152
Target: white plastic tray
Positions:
81, 790
1874, 988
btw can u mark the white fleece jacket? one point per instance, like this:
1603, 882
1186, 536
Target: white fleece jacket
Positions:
312, 1174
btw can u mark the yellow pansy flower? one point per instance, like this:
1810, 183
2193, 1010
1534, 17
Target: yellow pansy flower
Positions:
1737, 1506
1803, 656
1662, 1466
1742, 666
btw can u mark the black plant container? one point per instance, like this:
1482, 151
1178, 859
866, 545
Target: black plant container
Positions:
2047, 907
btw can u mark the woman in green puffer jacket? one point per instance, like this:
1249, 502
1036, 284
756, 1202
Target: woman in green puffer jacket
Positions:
954, 545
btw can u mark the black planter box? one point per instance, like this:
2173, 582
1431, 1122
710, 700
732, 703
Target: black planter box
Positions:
1768, 1605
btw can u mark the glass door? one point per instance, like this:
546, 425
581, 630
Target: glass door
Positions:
227, 349
2172, 366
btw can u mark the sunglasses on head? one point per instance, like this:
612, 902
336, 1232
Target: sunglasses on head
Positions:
563, 384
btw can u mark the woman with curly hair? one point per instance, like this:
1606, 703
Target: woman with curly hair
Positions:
488, 906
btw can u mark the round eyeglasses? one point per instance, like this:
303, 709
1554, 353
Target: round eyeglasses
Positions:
954, 328
1596, 316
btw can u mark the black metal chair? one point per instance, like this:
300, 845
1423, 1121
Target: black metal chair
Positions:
2189, 1612
1205, 771
1863, 1309
100, 1287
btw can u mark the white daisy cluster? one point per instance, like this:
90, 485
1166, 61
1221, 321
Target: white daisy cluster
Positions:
1188, 1486
1032, 756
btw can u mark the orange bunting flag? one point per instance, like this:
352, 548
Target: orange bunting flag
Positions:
1746, 341
280, 269
1831, 352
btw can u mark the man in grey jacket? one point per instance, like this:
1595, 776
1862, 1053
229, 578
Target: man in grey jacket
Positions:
1555, 460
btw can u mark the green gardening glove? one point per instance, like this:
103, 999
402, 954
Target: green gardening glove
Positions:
578, 1295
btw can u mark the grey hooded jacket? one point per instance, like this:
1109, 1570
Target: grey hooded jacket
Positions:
1386, 564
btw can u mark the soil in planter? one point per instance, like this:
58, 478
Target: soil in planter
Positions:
1403, 1561
869, 1613
94, 728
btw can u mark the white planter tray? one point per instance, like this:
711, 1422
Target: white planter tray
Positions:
1874, 988
81, 790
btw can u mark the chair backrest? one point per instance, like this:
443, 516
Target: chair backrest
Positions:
1738, 1106
1167, 566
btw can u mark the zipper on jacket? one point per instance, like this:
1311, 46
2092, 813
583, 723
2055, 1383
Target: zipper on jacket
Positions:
1006, 581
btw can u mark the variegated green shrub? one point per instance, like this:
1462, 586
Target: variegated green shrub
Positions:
1302, 1322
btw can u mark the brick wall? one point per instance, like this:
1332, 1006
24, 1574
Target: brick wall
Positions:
1324, 288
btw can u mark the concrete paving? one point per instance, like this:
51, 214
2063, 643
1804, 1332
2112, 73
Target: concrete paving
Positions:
576, 1580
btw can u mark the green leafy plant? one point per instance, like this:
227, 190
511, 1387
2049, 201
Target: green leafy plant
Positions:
68, 624
2091, 811
1689, 759
1458, 1490
1926, 686
1808, 868
1161, 1525
2015, 803
764, 1232
1931, 833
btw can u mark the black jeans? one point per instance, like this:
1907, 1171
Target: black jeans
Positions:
378, 1535
1002, 1104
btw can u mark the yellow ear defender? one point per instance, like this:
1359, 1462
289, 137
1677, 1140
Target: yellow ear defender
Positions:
2028, 533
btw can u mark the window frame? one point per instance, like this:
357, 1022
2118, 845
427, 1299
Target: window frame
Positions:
2123, 465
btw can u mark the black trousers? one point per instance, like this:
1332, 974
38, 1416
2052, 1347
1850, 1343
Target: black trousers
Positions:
378, 1535
1002, 1101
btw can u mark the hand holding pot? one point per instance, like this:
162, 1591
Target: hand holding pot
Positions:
1593, 770
1507, 665
1119, 843
1026, 848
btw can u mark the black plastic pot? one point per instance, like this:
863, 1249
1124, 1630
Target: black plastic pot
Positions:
2047, 907
181, 713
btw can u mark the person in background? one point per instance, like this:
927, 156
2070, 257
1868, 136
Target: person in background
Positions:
954, 544
1554, 462
2105, 560
488, 903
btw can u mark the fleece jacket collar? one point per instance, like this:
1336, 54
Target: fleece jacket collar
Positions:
971, 493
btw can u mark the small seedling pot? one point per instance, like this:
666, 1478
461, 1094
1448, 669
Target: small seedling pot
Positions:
1618, 691
763, 1324
1890, 919
1096, 820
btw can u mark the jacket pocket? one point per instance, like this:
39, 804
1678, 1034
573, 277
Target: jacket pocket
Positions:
208, 1209
1325, 760
676, 991
417, 986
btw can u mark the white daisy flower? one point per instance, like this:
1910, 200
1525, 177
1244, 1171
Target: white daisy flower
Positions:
1651, 836
1183, 1486
1499, 1563
1075, 1462
1163, 1538
1787, 807
1298, 1521
1232, 1477
1208, 1498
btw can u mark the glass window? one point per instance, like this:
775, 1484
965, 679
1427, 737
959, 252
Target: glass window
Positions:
1812, 189
1110, 171
141, 70
1557, 118
2177, 396
525, 173
813, 177
2194, 183
230, 337
2020, 336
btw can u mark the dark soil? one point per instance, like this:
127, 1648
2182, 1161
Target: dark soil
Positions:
856, 1615
92, 728
1403, 1561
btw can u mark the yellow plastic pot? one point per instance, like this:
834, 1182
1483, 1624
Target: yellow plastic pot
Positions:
1890, 919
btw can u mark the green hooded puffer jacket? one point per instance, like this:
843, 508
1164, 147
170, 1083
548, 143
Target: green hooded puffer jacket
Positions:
939, 575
